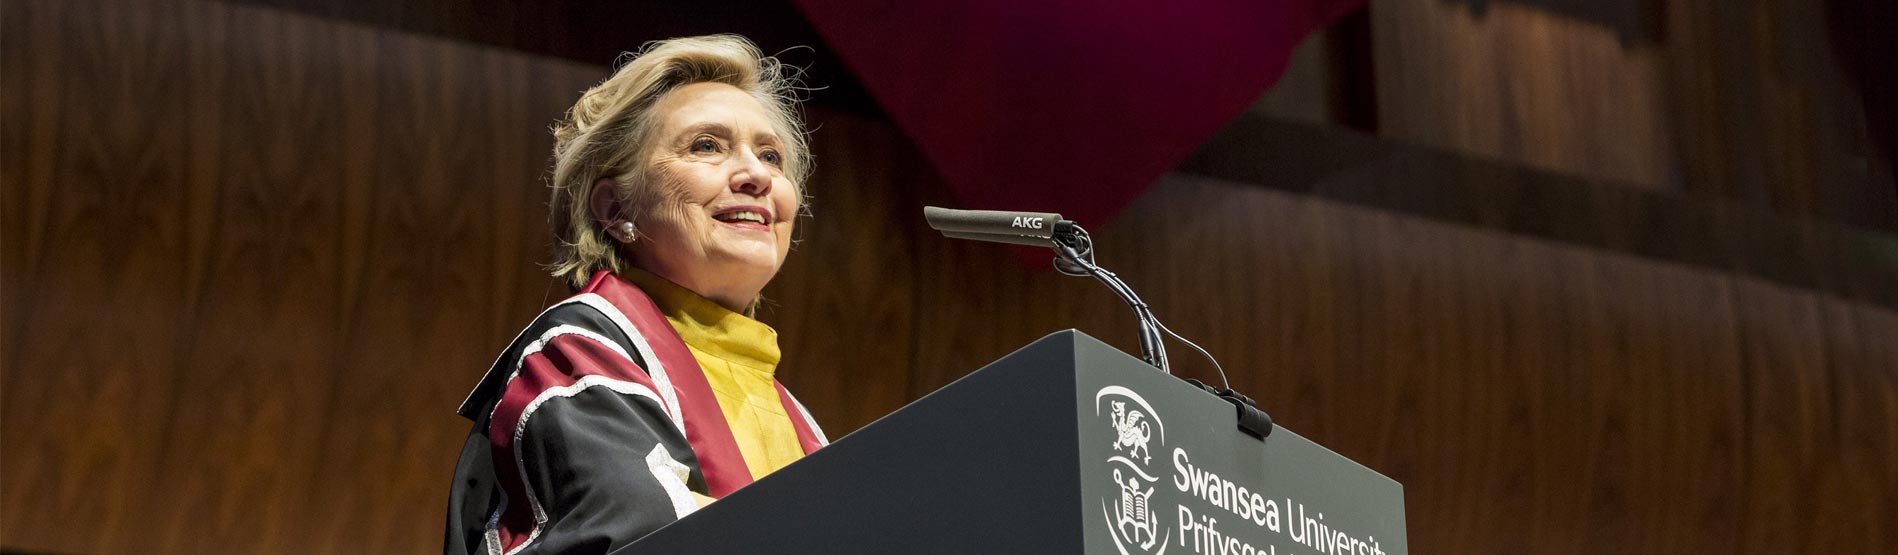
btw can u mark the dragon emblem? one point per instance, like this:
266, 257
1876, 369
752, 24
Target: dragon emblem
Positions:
1132, 434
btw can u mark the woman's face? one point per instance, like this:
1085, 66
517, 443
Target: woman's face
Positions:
722, 223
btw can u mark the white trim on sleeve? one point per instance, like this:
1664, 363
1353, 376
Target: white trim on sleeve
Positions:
672, 475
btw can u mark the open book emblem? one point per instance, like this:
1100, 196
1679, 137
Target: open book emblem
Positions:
1136, 520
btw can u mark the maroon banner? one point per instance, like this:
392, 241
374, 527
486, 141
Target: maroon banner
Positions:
1070, 107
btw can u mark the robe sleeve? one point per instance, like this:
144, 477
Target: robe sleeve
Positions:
598, 456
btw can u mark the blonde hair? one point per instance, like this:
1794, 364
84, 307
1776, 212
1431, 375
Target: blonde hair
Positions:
606, 133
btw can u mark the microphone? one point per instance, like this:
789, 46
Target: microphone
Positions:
993, 238
1074, 256
975, 224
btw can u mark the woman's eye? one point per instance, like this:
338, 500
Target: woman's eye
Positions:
772, 157
704, 145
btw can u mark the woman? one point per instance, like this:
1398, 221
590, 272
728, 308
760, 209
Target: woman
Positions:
677, 182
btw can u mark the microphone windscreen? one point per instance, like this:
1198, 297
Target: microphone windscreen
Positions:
999, 238
992, 222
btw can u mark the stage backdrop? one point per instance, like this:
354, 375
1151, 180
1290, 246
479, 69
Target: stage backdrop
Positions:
253, 260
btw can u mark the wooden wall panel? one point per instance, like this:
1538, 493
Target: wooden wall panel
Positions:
1519, 83
1867, 409
261, 352
1765, 109
1757, 102
299, 243
446, 250
99, 219
253, 260
1864, 406
1799, 349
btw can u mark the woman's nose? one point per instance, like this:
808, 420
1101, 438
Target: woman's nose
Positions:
752, 176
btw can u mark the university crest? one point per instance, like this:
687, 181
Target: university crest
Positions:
1129, 511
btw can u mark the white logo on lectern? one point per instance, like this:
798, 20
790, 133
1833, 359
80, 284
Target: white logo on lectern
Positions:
1133, 434
1136, 525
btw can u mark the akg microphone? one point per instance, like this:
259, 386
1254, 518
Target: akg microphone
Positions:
972, 224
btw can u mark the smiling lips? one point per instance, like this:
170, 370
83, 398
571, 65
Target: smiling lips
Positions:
745, 217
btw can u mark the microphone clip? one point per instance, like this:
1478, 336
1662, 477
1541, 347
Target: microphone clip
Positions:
1076, 240
1251, 420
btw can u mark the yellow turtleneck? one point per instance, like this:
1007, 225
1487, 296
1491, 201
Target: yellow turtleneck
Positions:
739, 356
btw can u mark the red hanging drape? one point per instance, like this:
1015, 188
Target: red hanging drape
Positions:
1070, 107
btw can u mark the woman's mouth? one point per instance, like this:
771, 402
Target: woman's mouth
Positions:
746, 218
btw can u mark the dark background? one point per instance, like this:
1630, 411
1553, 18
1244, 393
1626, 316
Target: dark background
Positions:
1611, 279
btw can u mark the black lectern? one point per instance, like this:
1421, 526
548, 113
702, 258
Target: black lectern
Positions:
1065, 446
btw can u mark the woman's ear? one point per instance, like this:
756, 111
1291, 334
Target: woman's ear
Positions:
603, 203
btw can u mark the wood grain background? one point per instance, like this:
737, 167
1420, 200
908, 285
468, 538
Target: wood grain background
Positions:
1752, 102
254, 259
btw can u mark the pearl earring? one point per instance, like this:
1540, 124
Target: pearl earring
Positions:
627, 232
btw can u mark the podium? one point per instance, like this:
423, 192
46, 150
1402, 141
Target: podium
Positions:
1064, 446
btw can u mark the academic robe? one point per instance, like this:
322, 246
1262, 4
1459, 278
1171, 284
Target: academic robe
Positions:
593, 429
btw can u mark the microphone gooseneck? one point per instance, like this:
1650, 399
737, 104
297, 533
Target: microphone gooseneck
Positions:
1074, 256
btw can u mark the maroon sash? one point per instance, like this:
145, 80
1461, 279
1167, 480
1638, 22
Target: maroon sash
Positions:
705, 427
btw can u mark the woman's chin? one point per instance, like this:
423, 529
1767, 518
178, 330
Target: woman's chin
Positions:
749, 260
